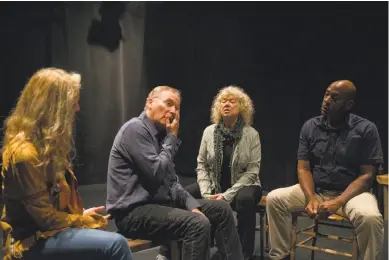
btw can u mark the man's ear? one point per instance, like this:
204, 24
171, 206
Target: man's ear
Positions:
148, 102
350, 105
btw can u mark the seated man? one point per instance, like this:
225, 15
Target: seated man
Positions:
144, 195
337, 156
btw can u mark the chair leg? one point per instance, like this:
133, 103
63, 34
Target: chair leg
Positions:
176, 250
294, 237
315, 230
263, 232
355, 249
267, 248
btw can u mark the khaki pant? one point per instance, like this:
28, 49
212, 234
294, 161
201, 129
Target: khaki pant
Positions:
362, 211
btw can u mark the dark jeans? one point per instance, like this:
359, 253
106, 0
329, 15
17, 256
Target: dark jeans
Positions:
244, 204
164, 223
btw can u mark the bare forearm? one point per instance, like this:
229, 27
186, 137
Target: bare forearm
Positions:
306, 183
360, 185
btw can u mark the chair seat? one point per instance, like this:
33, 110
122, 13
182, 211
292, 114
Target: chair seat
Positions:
336, 217
333, 217
263, 201
137, 245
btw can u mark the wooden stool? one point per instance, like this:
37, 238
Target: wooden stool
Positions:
137, 245
263, 227
383, 183
334, 221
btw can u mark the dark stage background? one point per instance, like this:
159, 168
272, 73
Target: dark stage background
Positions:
283, 54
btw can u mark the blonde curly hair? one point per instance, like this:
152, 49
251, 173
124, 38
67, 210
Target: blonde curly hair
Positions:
44, 116
246, 106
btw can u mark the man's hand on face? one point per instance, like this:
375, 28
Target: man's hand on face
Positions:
172, 127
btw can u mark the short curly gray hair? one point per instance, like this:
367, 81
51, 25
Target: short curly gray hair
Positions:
245, 104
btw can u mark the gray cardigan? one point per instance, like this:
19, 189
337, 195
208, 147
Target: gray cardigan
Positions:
244, 169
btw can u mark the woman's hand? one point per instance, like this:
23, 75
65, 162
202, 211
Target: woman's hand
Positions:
93, 210
216, 197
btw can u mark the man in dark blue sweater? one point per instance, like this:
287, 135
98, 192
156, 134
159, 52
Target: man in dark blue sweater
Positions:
144, 195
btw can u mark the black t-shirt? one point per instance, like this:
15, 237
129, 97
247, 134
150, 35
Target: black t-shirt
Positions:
225, 181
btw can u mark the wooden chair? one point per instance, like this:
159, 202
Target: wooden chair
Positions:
382, 190
264, 228
137, 245
334, 221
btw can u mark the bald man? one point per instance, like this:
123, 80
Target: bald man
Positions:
337, 157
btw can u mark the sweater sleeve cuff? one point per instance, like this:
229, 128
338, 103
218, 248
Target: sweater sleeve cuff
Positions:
174, 141
192, 203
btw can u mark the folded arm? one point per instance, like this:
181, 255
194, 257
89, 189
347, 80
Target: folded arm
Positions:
157, 166
141, 147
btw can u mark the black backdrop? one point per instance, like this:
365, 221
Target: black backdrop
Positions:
283, 54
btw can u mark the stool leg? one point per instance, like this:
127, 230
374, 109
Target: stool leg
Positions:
175, 250
262, 230
267, 249
315, 229
294, 237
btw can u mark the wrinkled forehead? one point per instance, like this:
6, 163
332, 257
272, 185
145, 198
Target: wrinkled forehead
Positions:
166, 95
228, 96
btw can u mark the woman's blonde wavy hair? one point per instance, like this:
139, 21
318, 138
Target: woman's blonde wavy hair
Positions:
246, 106
44, 116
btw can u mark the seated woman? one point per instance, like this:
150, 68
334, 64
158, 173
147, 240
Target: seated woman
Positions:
43, 217
229, 160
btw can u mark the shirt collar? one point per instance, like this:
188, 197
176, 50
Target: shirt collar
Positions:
150, 124
347, 123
